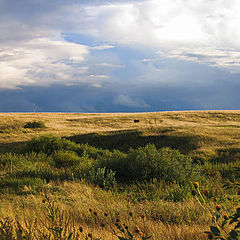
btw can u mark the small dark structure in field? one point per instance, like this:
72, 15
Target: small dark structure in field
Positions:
136, 120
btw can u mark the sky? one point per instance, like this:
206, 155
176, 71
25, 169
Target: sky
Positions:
119, 55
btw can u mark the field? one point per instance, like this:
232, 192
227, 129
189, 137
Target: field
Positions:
96, 172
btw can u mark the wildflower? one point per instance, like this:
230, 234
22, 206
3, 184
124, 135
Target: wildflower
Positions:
90, 209
80, 229
137, 229
206, 193
213, 218
102, 225
142, 216
43, 200
105, 214
130, 214
117, 220
89, 235
126, 227
218, 207
196, 184
95, 213
225, 216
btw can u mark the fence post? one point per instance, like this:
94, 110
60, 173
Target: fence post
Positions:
11, 168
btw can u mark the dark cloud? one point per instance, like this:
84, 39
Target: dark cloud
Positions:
83, 98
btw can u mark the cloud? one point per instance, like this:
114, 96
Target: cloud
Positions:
176, 28
41, 61
226, 59
102, 47
35, 52
110, 65
127, 101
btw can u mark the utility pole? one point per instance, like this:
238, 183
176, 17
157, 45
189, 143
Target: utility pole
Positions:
34, 108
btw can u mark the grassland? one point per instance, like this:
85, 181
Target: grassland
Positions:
210, 138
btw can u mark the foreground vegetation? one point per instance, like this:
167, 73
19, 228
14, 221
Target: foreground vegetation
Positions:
135, 180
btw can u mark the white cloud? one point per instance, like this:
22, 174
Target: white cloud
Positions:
41, 62
102, 47
182, 26
110, 65
96, 85
32, 51
227, 59
98, 76
127, 101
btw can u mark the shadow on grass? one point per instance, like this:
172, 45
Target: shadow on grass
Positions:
226, 155
11, 147
123, 140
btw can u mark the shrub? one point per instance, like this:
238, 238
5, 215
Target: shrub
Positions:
48, 144
35, 124
102, 177
148, 162
92, 152
113, 160
84, 166
65, 159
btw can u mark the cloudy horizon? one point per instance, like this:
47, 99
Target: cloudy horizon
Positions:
119, 56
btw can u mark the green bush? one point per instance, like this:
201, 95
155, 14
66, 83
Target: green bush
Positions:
35, 124
113, 160
102, 177
148, 162
84, 166
48, 144
77, 165
65, 159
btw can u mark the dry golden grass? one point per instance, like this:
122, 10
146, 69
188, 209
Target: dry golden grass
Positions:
217, 129
75, 199
214, 130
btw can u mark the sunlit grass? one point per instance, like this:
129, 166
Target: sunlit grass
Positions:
211, 138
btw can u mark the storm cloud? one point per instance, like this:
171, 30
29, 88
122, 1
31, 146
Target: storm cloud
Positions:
96, 56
